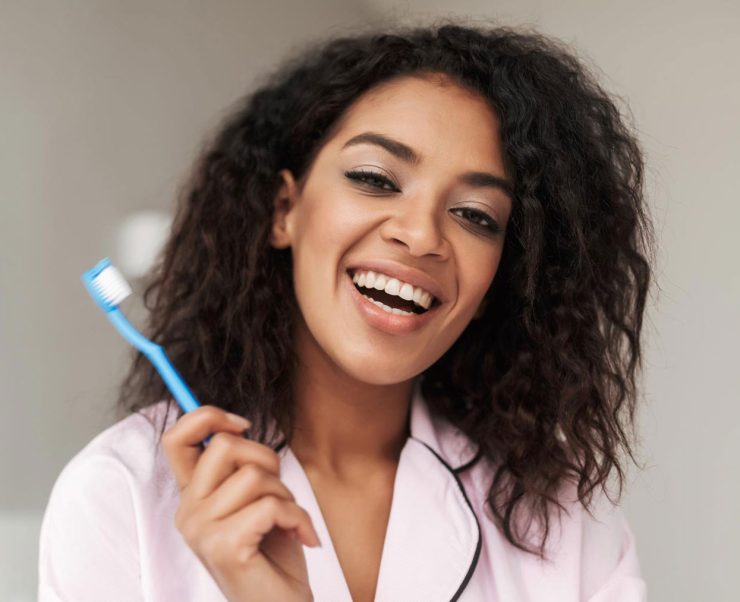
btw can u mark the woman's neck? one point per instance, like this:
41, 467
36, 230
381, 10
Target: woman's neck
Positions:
344, 427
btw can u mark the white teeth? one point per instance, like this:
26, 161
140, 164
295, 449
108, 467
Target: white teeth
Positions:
390, 310
406, 292
393, 286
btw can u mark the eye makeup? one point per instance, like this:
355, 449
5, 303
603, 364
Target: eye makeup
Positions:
380, 183
372, 179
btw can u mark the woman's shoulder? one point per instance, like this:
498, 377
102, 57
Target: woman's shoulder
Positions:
122, 458
129, 446
90, 529
597, 531
590, 548
608, 550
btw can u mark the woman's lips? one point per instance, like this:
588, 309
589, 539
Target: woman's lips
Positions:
382, 320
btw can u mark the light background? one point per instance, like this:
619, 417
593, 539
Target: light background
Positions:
103, 106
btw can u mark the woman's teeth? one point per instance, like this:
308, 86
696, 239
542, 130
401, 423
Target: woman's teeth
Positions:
392, 286
390, 310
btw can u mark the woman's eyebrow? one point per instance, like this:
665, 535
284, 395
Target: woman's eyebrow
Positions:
476, 179
395, 147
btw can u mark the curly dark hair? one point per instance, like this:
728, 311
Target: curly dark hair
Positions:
544, 382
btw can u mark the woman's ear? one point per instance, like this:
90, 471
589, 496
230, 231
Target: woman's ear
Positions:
283, 203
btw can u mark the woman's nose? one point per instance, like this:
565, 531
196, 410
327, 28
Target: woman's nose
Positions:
416, 224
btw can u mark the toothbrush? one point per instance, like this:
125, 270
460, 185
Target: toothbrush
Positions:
109, 288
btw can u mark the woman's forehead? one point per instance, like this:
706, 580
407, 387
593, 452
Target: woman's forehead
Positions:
444, 121
415, 95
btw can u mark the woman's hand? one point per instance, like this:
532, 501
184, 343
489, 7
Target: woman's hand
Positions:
238, 517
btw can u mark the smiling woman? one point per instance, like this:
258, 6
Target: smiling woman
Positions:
416, 262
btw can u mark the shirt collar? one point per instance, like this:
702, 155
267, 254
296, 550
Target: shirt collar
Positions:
433, 539
446, 440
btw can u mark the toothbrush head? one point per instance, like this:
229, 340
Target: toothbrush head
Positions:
106, 285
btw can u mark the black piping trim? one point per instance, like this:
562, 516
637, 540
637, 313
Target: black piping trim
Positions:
470, 463
476, 556
280, 445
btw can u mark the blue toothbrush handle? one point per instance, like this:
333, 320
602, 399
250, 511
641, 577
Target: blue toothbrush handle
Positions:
171, 377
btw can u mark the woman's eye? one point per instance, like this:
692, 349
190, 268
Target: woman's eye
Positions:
480, 219
372, 179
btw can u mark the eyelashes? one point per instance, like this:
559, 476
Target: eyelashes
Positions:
380, 183
374, 180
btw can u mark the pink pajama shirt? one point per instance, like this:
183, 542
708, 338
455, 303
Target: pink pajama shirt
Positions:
108, 532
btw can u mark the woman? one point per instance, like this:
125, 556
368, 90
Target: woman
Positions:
416, 262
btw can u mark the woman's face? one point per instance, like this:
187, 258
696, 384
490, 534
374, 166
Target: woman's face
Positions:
410, 184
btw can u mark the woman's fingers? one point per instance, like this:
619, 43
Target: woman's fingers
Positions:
224, 455
234, 540
246, 485
250, 525
181, 442
231, 498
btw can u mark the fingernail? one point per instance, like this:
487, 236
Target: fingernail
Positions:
238, 420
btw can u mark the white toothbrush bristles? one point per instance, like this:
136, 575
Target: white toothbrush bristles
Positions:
111, 285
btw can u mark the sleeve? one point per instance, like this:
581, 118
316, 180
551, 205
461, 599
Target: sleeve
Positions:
609, 555
88, 547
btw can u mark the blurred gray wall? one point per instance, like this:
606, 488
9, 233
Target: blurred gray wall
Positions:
103, 106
